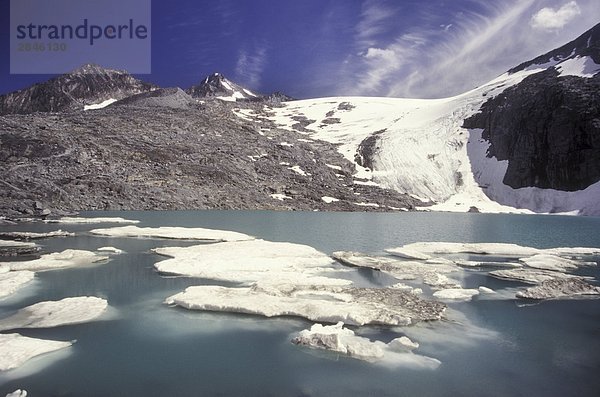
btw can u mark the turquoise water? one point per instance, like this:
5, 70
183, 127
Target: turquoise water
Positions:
144, 348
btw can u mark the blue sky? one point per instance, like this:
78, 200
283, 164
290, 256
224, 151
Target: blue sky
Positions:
313, 48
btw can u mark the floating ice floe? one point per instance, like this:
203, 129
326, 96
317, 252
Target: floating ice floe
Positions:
11, 282
9, 243
356, 306
559, 288
342, 340
32, 235
91, 220
495, 249
169, 232
16, 349
430, 273
249, 261
49, 314
112, 250
456, 294
57, 260
554, 263
482, 264
406, 288
529, 276
486, 290
18, 393
407, 253
499, 249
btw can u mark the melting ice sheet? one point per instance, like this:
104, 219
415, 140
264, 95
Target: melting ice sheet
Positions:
183, 233
77, 220
11, 282
16, 349
49, 314
336, 338
56, 260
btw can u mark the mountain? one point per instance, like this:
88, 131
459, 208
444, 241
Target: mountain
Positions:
548, 125
586, 45
87, 85
217, 86
527, 141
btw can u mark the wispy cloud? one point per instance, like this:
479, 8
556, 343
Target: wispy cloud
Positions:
374, 19
446, 57
250, 65
549, 18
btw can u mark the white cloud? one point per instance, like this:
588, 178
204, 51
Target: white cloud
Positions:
552, 19
425, 60
373, 22
250, 66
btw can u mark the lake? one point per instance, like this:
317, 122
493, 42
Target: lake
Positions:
142, 347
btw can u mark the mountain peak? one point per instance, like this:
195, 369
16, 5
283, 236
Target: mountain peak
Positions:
92, 68
216, 85
88, 84
587, 44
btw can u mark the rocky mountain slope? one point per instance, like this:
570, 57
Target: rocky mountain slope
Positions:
89, 84
548, 125
197, 156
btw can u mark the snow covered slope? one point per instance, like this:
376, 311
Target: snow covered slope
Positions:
418, 146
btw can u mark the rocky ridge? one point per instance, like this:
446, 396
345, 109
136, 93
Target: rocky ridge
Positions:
88, 84
198, 156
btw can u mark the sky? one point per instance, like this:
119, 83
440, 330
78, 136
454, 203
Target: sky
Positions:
318, 48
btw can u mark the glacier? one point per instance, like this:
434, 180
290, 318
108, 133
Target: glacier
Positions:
423, 150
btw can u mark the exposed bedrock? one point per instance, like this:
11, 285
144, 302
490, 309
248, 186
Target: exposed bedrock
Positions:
548, 128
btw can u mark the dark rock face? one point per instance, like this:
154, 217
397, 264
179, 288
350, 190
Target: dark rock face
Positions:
278, 97
86, 85
548, 128
367, 149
